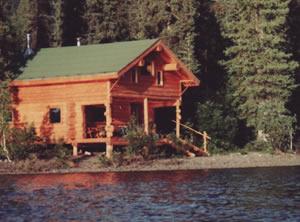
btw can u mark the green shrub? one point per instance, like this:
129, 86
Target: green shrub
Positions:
115, 161
138, 141
220, 124
22, 142
61, 151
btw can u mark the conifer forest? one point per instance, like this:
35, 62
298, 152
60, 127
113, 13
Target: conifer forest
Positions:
246, 54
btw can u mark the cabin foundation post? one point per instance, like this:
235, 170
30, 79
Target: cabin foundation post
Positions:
146, 116
75, 149
109, 150
178, 118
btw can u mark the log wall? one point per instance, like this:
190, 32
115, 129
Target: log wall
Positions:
33, 104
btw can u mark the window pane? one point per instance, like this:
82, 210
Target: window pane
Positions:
160, 77
55, 115
10, 117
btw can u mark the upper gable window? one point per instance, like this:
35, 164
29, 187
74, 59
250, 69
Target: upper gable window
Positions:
135, 75
160, 78
55, 115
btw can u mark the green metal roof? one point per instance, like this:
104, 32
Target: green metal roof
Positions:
83, 60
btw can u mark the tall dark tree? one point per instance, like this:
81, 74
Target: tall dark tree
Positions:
72, 22
10, 52
26, 21
45, 24
106, 21
294, 37
260, 69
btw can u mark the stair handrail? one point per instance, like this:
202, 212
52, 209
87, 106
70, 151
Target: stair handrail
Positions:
204, 135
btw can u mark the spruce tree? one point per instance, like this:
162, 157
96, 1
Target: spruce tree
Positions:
11, 55
71, 19
181, 32
106, 21
260, 69
173, 21
294, 37
26, 21
5, 101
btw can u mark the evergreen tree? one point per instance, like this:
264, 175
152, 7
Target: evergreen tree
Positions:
5, 117
58, 6
172, 20
10, 53
181, 32
259, 67
106, 21
294, 37
3, 31
72, 22
45, 24
148, 18
26, 21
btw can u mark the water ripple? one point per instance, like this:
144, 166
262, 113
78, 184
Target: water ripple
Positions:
258, 194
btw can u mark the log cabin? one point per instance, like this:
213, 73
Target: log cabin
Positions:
86, 94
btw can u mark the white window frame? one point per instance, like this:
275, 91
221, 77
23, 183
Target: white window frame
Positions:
160, 78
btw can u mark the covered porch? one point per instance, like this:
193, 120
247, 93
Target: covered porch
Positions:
104, 123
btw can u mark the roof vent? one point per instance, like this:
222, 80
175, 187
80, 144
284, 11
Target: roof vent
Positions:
28, 50
78, 41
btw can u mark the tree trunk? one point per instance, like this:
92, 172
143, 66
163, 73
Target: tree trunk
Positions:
5, 148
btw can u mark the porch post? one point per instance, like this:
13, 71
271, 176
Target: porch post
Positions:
146, 116
178, 118
109, 128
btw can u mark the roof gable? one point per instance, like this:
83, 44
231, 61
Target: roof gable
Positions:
83, 60
96, 62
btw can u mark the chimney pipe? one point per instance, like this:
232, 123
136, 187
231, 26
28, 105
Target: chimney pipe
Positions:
28, 51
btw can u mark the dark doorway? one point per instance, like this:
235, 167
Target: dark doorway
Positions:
95, 121
136, 110
163, 120
95, 113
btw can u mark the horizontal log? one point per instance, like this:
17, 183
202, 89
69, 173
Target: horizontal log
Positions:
170, 67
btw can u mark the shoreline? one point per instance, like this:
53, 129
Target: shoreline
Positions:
229, 161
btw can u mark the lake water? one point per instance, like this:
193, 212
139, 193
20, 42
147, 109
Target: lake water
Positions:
254, 194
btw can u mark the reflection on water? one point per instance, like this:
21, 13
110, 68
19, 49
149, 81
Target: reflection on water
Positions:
258, 194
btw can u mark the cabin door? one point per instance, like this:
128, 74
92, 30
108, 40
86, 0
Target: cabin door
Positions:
163, 119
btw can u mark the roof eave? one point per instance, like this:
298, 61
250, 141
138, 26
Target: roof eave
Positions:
64, 80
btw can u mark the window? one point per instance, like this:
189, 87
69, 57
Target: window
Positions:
10, 116
135, 75
55, 115
160, 78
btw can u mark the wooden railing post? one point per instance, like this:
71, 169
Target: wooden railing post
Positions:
178, 118
204, 141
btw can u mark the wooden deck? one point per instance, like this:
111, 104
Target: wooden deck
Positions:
119, 141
